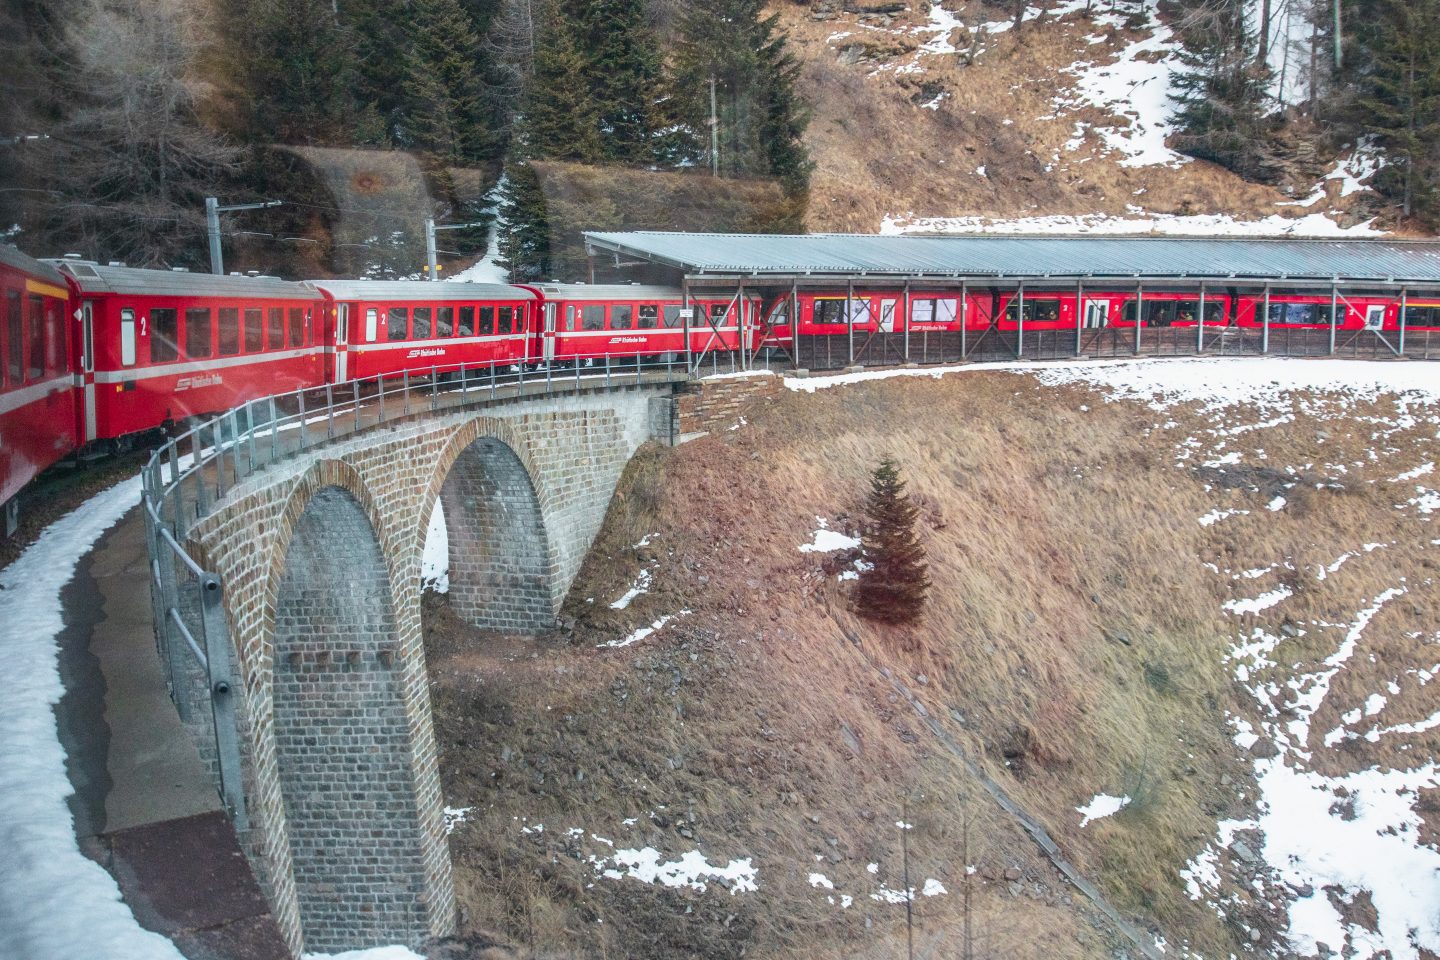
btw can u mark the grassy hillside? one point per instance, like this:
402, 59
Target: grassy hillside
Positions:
1076, 645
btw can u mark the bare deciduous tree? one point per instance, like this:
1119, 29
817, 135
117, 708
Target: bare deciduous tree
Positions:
130, 162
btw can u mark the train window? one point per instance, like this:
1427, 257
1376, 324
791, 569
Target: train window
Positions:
1422, 316
397, 323
275, 339
36, 366
922, 311
620, 316
829, 311
54, 339
254, 330
444, 321
672, 315
14, 326
127, 338
467, 322
297, 326
718, 313
945, 310
229, 320
1297, 313
197, 332
859, 311
569, 316
592, 316
507, 319
520, 319
164, 334
372, 324
422, 323
487, 321
648, 317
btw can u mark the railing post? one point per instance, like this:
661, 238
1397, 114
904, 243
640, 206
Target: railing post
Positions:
251, 458
492, 379
434, 387
222, 700
405, 396
1265, 329
1404, 308
1334, 304
1139, 314
1020, 321
1079, 314
464, 384
300, 396
964, 320
274, 429
329, 412
380, 383
1200, 322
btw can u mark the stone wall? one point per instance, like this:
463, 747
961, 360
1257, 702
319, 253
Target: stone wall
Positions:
546, 466
718, 403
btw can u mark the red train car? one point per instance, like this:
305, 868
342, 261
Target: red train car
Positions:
828, 313
1312, 311
165, 346
387, 326
37, 397
589, 321
1055, 310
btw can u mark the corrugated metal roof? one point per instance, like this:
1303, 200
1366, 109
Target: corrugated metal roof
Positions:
760, 255
96, 278
14, 258
437, 290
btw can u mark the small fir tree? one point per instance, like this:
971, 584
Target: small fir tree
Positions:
443, 84
892, 587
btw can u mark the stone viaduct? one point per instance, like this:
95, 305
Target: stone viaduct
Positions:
320, 557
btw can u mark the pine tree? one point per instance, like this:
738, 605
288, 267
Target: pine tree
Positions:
622, 68
1221, 90
444, 114
761, 119
892, 588
525, 241
296, 63
1400, 100
560, 118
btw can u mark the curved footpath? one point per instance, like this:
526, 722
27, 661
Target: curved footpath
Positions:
89, 731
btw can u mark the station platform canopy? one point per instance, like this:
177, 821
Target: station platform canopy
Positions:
772, 258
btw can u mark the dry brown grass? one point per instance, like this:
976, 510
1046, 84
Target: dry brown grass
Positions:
879, 152
1072, 627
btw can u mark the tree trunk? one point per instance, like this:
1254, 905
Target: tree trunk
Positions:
1263, 57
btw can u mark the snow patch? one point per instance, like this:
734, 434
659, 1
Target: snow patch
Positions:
1101, 806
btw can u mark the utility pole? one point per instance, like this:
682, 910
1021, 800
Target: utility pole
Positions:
212, 227
715, 131
430, 253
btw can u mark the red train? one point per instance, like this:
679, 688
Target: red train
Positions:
100, 355
37, 397
93, 355
831, 313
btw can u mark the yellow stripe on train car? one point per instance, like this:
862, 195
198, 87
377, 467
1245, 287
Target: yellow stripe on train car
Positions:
46, 289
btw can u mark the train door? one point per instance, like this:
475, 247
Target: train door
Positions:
547, 346
1097, 314
87, 366
1374, 317
887, 316
342, 342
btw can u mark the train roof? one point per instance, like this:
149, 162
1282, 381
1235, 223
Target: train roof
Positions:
608, 291
437, 290
1012, 258
12, 257
100, 278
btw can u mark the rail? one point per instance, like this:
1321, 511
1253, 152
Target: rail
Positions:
188, 474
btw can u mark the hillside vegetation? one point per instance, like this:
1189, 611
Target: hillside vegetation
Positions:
1124, 593
918, 115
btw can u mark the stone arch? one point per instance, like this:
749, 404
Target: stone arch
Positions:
502, 567
340, 726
